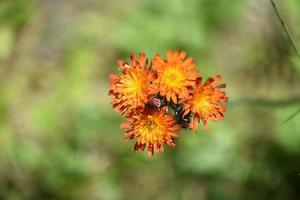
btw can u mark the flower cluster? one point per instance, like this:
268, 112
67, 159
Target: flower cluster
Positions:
161, 98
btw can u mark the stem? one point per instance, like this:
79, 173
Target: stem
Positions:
292, 41
286, 29
274, 103
292, 116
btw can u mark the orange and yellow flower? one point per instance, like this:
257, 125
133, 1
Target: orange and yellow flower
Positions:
143, 93
151, 129
175, 76
205, 103
130, 91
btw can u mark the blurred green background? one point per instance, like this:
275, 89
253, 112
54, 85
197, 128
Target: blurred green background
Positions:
60, 138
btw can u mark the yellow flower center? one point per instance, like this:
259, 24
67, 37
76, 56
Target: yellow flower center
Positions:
202, 105
133, 85
204, 102
151, 130
173, 77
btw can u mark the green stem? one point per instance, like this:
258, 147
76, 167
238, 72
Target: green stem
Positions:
286, 29
292, 41
292, 116
274, 103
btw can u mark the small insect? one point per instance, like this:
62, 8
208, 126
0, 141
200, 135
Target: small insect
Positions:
177, 108
156, 102
183, 121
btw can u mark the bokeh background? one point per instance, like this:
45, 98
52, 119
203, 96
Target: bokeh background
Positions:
60, 138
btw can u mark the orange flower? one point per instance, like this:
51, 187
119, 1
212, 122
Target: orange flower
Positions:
205, 102
130, 91
175, 76
151, 129
143, 93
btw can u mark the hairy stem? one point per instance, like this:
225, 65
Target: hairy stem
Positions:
292, 41
286, 29
274, 103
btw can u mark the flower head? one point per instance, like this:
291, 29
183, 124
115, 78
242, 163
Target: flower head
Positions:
205, 102
175, 76
151, 129
130, 91
160, 99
